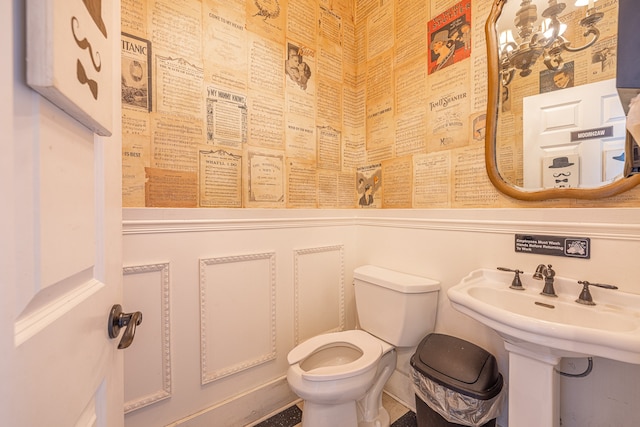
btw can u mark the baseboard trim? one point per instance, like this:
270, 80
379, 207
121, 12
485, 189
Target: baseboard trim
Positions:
263, 400
400, 387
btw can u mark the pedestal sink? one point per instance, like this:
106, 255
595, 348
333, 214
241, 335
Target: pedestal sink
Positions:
539, 330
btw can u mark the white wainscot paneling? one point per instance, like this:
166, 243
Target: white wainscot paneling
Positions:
237, 313
148, 360
319, 291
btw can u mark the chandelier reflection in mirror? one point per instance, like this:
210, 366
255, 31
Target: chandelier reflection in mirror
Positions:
545, 39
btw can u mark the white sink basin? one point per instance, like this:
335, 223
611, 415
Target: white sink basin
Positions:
556, 326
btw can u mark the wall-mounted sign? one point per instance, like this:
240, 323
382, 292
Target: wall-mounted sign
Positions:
69, 58
561, 171
572, 247
595, 133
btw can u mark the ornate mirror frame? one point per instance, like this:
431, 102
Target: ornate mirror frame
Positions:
621, 185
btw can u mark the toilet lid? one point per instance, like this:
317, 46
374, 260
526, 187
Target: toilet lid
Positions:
370, 347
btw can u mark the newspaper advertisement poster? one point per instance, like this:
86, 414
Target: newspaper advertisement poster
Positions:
449, 116
266, 120
562, 78
301, 20
450, 36
265, 172
133, 16
176, 28
136, 72
267, 18
179, 87
329, 143
135, 158
220, 174
226, 118
265, 65
604, 58
369, 186
398, 182
170, 188
431, 180
330, 26
302, 184
225, 50
297, 67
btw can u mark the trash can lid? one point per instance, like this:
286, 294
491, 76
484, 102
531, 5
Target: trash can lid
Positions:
458, 365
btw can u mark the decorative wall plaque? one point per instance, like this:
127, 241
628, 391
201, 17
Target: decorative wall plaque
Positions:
70, 59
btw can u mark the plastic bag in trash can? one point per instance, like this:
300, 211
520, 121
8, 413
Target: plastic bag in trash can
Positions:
456, 407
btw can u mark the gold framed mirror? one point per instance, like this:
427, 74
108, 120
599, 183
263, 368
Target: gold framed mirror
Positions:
576, 37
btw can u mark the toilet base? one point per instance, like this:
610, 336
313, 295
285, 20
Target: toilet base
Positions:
318, 415
382, 420
371, 412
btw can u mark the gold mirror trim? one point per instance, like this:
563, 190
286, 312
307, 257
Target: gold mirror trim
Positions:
496, 179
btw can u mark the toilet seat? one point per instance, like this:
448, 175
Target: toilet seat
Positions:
370, 347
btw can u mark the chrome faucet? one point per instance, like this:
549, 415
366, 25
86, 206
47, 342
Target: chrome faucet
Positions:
548, 273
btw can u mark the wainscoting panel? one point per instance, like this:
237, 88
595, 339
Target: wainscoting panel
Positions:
148, 359
237, 313
319, 291
307, 247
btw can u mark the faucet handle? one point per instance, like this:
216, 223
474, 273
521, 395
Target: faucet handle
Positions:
516, 283
585, 295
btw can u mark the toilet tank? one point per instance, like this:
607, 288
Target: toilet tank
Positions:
396, 307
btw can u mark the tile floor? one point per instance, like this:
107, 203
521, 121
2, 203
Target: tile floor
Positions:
400, 415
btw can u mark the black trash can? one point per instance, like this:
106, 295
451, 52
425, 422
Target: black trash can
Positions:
456, 382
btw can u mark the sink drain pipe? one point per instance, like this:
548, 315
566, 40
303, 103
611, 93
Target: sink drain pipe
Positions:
580, 375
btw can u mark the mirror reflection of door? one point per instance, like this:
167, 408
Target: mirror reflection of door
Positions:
584, 126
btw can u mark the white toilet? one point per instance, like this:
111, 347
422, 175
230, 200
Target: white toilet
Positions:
341, 375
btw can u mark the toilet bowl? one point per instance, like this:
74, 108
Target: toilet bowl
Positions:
334, 367
341, 375
334, 372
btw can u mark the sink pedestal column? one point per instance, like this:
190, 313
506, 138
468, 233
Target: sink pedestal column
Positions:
534, 387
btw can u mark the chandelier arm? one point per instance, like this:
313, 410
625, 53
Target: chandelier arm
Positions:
594, 31
507, 76
552, 40
547, 41
554, 63
511, 45
539, 41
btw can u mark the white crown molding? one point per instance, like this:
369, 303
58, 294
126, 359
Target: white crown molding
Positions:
618, 224
602, 230
152, 221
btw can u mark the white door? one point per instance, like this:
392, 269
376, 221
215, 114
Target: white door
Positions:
579, 130
60, 253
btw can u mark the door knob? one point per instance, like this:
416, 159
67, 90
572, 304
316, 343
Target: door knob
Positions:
119, 320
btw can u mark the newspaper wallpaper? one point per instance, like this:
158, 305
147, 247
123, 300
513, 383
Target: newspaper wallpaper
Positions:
318, 104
